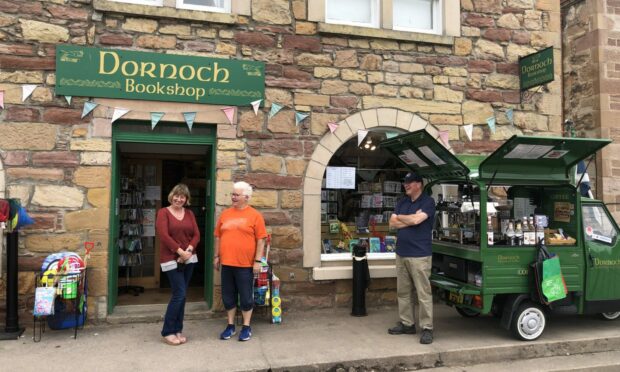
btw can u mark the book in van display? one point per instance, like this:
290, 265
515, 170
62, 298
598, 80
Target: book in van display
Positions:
390, 243
375, 244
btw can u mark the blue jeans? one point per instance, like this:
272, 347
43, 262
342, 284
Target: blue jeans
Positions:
179, 281
237, 282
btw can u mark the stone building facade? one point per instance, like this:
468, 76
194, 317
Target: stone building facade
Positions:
59, 164
591, 47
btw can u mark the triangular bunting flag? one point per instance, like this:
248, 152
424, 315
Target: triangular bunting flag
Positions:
230, 113
88, 107
1, 98
299, 117
491, 123
274, 109
510, 116
256, 105
389, 135
332, 127
155, 118
118, 113
189, 119
445, 137
27, 91
361, 134
68, 98
469, 130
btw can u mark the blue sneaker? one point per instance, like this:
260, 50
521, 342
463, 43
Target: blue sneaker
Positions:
245, 334
228, 332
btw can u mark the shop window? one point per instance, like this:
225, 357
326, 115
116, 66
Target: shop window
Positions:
360, 189
364, 13
142, 2
222, 6
422, 16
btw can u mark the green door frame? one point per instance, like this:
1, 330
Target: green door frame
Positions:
119, 136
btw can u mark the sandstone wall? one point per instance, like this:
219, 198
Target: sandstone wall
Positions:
591, 44
59, 164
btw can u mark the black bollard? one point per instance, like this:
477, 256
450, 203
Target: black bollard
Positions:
12, 331
361, 280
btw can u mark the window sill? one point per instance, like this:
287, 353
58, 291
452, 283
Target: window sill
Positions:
167, 12
338, 257
329, 28
346, 272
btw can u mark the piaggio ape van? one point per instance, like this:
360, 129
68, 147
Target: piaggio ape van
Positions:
491, 211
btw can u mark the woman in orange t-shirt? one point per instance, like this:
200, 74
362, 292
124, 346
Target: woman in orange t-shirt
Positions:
239, 244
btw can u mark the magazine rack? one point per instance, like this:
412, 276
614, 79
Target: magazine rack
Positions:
69, 303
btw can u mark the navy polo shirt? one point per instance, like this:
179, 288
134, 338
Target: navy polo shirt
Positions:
415, 241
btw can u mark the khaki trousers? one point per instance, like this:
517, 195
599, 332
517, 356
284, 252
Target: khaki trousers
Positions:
413, 288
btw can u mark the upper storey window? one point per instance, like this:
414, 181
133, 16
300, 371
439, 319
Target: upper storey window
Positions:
222, 6
402, 15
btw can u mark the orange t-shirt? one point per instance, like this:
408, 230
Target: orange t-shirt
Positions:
238, 231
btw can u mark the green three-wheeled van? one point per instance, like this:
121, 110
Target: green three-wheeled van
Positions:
492, 214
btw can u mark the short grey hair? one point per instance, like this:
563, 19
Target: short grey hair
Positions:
245, 188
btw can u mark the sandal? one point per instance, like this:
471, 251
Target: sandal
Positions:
181, 338
172, 340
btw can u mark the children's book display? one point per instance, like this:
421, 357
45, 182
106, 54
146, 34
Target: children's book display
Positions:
61, 292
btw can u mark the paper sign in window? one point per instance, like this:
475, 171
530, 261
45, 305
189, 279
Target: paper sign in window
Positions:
410, 157
340, 178
430, 155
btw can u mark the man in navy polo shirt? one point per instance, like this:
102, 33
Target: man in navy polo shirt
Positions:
413, 217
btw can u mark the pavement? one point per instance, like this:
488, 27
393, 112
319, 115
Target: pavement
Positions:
322, 340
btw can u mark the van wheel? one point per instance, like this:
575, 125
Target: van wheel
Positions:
611, 316
528, 322
467, 313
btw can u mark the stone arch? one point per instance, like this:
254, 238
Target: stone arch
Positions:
327, 146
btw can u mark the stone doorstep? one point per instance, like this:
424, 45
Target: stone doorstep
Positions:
155, 313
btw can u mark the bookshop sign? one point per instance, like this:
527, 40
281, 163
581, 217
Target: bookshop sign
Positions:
536, 69
95, 72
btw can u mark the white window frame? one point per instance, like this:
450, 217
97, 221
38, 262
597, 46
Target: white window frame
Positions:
225, 9
142, 2
375, 16
437, 10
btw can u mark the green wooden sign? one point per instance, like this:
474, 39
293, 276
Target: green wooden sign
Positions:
536, 68
94, 72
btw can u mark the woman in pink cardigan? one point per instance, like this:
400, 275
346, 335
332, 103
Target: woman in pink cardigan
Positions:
179, 236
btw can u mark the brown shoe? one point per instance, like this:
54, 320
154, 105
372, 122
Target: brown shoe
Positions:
172, 340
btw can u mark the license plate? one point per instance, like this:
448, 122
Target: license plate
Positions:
455, 297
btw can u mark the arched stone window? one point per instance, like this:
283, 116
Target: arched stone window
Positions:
371, 119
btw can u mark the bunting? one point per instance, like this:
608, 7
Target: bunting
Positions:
361, 134
1, 99
299, 117
256, 105
155, 118
27, 91
88, 107
491, 124
274, 109
68, 98
332, 126
444, 135
510, 116
230, 113
118, 113
189, 119
469, 130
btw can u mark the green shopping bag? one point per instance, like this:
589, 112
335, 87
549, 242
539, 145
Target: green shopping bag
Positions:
552, 285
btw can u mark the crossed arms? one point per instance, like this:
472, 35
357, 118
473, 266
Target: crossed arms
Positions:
400, 221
